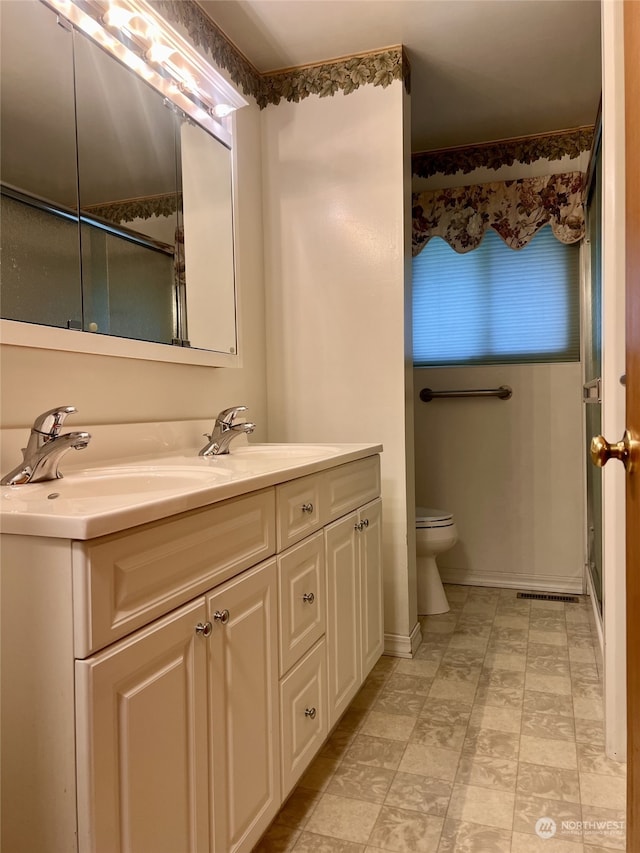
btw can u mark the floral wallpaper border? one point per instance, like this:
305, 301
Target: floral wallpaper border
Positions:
136, 208
493, 155
379, 68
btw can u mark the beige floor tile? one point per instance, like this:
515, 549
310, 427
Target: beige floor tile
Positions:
375, 752
482, 805
360, 781
549, 752
296, 811
462, 837
533, 844
465, 656
463, 674
417, 667
604, 828
444, 688
440, 735
551, 783
390, 702
338, 743
419, 793
499, 697
528, 810
588, 709
491, 742
547, 683
545, 651
548, 725
311, 843
500, 719
414, 685
552, 638
430, 761
389, 726
466, 641
590, 731
319, 773
608, 792
592, 759
278, 839
513, 662
405, 831
444, 712
540, 702
344, 818
511, 621
581, 655
486, 771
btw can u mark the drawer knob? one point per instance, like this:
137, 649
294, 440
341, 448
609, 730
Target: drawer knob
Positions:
309, 597
358, 526
310, 712
204, 629
307, 507
365, 522
221, 616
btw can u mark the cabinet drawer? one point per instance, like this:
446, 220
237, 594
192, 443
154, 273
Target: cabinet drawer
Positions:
302, 599
299, 509
352, 485
304, 715
123, 581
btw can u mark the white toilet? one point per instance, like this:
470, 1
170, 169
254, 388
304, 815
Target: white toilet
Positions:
435, 532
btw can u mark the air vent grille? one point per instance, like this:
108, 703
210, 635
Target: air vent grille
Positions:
544, 596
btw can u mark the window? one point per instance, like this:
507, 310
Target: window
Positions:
496, 305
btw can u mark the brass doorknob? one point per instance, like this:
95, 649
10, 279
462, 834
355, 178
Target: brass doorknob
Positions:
625, 450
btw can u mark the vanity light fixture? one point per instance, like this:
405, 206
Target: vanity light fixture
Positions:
139, 37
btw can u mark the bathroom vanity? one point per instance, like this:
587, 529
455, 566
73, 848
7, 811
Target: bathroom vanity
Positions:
171, 664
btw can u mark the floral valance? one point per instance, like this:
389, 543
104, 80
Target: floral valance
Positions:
515, 209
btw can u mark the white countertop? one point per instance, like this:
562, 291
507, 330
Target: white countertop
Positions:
99, 500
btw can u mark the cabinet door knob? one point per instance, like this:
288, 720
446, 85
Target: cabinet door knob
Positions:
359, 525
309, 596
221, 616
310, 712
204, 629
365, 522
307, 507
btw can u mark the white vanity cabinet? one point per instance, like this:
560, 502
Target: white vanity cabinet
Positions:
165, 686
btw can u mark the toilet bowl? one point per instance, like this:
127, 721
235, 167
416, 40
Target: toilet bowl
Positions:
436, 532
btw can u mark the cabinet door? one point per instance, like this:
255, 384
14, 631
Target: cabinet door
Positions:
244, 702
141, 709
372, 618
343, 615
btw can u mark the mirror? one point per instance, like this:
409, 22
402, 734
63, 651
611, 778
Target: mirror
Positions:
137, 243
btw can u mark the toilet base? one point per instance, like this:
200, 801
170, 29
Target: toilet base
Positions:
432, 598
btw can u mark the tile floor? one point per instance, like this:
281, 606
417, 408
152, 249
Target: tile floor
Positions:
496, 723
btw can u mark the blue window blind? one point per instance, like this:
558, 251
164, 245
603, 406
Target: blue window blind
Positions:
496, 305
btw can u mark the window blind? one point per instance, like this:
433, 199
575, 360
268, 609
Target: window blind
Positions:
496, 305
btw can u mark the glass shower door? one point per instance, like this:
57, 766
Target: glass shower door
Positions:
592, 375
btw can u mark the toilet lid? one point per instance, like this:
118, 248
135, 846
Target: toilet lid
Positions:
429, 517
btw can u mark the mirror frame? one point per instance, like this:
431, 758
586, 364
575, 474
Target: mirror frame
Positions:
36, 336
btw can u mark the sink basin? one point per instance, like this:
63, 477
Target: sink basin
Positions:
124, 482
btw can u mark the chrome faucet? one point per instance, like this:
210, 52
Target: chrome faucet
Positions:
225, 429
45, 448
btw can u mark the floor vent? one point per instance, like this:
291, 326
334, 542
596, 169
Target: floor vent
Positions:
544, 596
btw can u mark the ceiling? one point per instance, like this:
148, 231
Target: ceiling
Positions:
481, 70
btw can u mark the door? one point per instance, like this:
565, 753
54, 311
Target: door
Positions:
244, 703
632, 120
141, 708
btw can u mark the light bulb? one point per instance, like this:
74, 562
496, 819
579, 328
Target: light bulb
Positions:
117, 17
159, 52
222, 110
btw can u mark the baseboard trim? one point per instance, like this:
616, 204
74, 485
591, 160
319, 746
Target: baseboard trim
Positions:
513, 580
401, 646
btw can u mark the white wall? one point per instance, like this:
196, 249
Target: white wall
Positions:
336, 212
511, 471
115, 390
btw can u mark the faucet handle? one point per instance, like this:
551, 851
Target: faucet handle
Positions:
49, 423
227, 416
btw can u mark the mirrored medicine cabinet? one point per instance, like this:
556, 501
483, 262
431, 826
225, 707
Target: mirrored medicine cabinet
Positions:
117, 209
